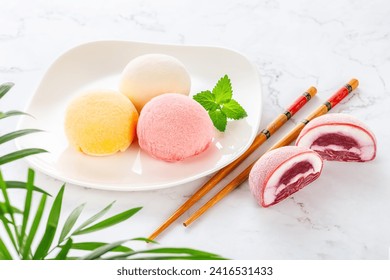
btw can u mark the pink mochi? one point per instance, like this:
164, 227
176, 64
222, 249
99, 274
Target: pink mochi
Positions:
339, 137
173, 127
281, 172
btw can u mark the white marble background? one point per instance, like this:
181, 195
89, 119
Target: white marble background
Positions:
294, 44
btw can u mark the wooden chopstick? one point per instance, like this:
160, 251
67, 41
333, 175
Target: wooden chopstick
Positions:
260, 139
286, 140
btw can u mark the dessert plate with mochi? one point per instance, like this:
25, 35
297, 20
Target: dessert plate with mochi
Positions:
120, 115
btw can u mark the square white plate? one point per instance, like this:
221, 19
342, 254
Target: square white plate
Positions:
98, 65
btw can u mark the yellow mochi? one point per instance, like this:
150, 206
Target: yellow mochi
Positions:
101, 123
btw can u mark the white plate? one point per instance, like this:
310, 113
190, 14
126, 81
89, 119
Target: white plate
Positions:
98, 65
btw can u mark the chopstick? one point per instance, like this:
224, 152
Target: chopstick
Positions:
286, 140
260, 139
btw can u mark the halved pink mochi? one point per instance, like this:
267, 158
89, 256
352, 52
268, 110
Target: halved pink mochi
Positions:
282, 172
339, 137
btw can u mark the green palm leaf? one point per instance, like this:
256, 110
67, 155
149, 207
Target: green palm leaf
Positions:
176, 252
20, 154
12, 113
3, 209
4, 88
63, 254
16, 134
110, 221
51, 227
27, 203
10, 234
23, 185
70, 221
90, 246
147, 240
4, 253
95, 217
34, 228
8, 207
95, 254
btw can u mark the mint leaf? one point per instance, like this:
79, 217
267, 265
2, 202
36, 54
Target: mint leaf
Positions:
219, 119
207, 100
233, 110
219, 103
223, 90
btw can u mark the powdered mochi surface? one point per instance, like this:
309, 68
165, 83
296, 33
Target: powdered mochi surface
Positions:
173, 127
150, 75
283, 171
339, 137
101, 122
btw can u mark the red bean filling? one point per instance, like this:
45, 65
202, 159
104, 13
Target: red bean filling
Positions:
336, 139
302, 181
297, 168
339, 155
341, 141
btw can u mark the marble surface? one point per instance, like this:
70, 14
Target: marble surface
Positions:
345, 214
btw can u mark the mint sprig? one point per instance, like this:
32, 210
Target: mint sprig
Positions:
220, 105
